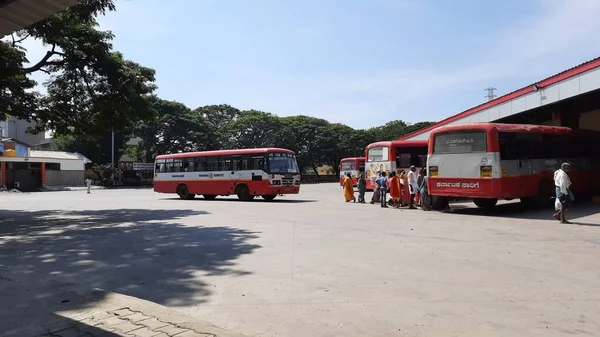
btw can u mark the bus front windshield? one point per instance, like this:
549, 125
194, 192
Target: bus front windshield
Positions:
282, 163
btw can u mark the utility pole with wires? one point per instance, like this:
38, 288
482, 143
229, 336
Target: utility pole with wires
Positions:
490, 93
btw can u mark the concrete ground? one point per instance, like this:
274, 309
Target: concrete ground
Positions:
312, 265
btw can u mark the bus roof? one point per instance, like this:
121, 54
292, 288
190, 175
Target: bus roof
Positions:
223, 153
399, 143
501, 127
353, 158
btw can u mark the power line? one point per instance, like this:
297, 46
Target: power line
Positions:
490, 93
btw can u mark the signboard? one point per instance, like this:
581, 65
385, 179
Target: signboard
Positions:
143, 166
136, 166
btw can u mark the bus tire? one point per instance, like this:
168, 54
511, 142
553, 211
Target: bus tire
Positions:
209, 196
184, 193
243, 192
485, 202
269, 197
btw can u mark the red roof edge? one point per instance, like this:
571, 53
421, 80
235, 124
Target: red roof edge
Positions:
586, 66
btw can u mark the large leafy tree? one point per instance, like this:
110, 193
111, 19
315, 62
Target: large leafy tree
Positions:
219, 117
91, 88
174, 129
301, 137
255, 128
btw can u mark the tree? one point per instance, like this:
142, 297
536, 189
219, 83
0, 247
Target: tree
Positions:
174, 129
219, 117
97, 147
91, 88
253, 129
301, 135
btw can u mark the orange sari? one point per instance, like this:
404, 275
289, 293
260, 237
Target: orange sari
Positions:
395, 190
348, 189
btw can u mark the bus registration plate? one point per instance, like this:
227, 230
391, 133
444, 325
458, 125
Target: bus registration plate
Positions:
486, 172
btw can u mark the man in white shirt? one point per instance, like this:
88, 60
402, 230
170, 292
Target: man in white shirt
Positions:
413, 186
562, 182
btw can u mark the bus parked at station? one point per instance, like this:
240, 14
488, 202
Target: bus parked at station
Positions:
491, 161
393, 155
247, 173
354, 166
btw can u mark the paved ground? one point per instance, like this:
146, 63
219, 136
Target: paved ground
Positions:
312, 265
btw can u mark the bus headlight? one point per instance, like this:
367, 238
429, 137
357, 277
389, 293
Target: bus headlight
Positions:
276, 182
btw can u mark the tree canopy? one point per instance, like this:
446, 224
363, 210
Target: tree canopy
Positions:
90, 89
176, 128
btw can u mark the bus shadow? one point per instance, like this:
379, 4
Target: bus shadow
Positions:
518, 211
235, 199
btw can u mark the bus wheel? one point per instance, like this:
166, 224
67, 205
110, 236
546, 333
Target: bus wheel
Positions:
209, 196
485, 202
269, 197
184, 193
243, 193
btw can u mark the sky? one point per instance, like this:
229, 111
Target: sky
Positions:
357, 62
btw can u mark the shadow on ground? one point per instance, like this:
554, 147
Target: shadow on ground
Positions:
235, 199
517, 210
138, 252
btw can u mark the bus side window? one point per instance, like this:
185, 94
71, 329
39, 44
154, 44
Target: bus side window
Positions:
226, 164
200, 164
508, 145
188, 165
258, 163
236, 163
212, 164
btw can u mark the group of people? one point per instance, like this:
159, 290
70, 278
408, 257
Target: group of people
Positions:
404, 189
413, 186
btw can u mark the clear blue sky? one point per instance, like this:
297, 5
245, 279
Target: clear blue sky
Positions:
360, 62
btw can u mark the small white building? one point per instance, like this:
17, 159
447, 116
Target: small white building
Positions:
29, 170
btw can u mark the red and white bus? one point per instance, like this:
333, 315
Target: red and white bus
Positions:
247, 173
393, 155
491, 161
354, 166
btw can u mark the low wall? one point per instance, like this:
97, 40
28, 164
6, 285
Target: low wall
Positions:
315, 179
65, 178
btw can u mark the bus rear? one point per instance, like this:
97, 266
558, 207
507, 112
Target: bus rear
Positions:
464, 162
354, 166
393, 156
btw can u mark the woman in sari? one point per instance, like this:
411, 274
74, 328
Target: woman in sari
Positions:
405, 189
426, 201
395, 190
349, 189
362, 188
375, 198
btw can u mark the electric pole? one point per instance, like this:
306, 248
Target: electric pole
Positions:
490, 93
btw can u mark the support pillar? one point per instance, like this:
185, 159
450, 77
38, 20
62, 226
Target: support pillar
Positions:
43, 174
3, 173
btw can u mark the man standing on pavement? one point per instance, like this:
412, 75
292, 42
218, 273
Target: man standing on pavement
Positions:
563, 191
413, 186
382, 184
88, 183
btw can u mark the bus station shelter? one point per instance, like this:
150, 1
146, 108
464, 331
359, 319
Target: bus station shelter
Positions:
570, 98
18, 14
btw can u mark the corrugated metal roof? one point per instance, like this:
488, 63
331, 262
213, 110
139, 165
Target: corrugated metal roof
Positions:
59, 155
18, 14
574, 71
